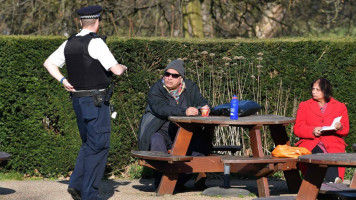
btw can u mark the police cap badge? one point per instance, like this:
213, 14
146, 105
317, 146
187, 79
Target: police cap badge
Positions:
90, 12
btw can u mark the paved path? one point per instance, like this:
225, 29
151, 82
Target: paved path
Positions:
123, 189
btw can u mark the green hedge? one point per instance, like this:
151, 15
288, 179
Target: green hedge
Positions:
37, 123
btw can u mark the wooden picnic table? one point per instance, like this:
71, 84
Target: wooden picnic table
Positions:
317, 166
259, 165
4, 156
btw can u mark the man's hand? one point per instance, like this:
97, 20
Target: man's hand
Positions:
317, 131
191, 111
118, 69
54, 71
68, 86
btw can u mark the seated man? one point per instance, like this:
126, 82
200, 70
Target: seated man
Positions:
171, 96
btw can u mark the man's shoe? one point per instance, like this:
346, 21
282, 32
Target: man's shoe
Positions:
75, 193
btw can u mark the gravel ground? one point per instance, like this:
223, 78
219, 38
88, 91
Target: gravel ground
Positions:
138, 189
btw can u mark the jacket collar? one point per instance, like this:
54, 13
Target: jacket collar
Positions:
315, 108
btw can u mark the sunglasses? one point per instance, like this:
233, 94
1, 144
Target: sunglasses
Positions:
167, 74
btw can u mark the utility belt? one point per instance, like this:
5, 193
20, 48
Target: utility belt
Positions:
89, 93
97, 95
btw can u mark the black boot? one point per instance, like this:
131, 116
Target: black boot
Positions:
75, 193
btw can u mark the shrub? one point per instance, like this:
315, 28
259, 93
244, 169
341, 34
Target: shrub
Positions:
37, 123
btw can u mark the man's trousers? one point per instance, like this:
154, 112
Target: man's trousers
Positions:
94, 128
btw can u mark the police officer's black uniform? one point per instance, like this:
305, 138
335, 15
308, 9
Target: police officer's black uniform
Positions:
90, 80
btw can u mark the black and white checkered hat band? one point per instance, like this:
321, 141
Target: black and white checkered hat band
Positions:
90, 16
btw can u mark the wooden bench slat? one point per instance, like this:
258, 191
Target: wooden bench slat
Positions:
335, 187
277, 198
346, 159
347, 195
156, 155
233, 149
332, 190
266, 159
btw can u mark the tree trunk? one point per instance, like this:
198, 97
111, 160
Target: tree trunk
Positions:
192, 19
269, 24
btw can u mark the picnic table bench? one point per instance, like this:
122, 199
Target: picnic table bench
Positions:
317, 166
259, 165
160, 156
4, 156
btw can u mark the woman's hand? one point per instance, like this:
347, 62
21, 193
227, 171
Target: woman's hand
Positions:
317, 131
338, 126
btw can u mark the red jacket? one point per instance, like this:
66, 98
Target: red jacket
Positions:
310, 116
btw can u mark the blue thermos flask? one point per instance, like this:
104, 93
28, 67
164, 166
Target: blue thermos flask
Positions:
234, 108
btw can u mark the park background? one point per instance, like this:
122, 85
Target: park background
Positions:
266, 51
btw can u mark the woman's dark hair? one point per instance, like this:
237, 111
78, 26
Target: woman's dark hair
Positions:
325, 87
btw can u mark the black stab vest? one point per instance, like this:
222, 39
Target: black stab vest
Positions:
84, 72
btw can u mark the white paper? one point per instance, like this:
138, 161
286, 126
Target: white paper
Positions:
332, 126
113, 115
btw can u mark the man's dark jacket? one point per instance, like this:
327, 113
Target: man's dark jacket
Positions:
161, 105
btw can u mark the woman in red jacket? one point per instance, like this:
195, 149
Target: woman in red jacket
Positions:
312, 115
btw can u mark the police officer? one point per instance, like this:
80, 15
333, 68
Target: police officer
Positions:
90, 65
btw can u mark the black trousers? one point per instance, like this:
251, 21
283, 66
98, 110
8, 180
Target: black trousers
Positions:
198, 147
331, 172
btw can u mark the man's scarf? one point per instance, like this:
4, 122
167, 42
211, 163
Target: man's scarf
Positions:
175, 93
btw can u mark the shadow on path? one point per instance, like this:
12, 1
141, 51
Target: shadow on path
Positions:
146, 185
4, 191
107, 187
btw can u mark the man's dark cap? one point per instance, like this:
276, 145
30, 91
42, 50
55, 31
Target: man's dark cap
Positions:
177, 65
90, 12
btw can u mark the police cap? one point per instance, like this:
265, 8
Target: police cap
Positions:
90, 12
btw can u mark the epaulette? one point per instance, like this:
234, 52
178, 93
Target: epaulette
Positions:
97, 36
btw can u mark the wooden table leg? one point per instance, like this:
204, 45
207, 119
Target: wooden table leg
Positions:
353, 181
257, 151
262, 185
167, 184
256, 141
312, 182
179, 148
182, 140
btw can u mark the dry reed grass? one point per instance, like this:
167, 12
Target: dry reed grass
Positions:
221, 78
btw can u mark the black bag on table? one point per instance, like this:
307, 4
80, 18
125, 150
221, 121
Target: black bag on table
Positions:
246, 107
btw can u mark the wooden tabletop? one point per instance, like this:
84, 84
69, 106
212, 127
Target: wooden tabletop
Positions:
339, 159
247, 120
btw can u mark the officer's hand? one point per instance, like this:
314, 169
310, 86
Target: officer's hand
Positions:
68, 86
191, 111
